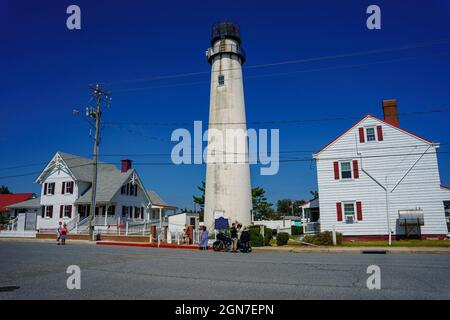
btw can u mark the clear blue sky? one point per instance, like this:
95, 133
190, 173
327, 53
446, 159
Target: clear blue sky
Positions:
45, 70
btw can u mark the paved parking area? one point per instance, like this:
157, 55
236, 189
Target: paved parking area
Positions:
37, 270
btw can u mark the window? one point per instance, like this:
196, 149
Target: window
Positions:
370, 133
124, 211
69, 187
51, 188
123, 190
49, 211
346, 170
67, 211
221, 80
349, 212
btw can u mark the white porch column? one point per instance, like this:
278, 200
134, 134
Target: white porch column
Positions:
106, 214
160, 219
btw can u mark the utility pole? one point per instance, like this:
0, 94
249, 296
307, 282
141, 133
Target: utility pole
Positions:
95, 113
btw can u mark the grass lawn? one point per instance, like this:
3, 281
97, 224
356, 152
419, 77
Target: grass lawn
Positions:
395, 243
398, 243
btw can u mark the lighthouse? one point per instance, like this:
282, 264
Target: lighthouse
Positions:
228, 188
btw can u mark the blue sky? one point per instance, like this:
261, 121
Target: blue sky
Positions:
45, 70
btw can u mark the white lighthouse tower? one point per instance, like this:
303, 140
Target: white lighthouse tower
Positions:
228, 188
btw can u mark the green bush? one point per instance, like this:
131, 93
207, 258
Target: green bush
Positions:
282, 238
296, 230
324, 238
256, 239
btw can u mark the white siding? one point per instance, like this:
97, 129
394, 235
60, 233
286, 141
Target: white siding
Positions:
57, 199
387, 161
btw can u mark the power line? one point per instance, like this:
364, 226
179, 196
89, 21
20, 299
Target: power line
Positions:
244, 162
289, 62
285, 121
286, 73
223, 153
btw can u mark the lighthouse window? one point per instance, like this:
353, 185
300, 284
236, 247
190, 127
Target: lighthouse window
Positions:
221, 80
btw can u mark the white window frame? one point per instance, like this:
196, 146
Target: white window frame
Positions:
49, 185
65, 211
374, 134
351, 169
66, 187
47, 212
344, 215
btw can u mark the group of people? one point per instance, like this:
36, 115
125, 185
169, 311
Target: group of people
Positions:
61, 234
237, 233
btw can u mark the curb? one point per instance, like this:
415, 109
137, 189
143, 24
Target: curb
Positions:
148, 245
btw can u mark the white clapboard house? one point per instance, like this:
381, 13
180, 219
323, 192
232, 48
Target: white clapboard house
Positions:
120, 198
377, 176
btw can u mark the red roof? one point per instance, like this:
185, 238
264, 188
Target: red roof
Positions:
10, 199
379, 119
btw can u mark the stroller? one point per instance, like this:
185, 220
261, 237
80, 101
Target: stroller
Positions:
223, 242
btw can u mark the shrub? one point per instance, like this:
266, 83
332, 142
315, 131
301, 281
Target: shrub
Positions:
296, 230
268, 235
324, 238
256, 239
282, 238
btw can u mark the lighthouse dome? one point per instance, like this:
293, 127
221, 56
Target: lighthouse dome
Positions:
225, 30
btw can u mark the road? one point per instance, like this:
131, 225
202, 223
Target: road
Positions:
38, 269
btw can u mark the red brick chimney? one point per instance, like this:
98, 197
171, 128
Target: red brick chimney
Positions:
126, 165
390, 112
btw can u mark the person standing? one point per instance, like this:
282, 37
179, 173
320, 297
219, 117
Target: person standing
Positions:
204, 239
64, 232
234, 237
58, 233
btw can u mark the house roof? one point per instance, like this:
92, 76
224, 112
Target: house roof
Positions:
27, 204
376, 118
156, 200
82, 168
9, 199
109, 181
313, 203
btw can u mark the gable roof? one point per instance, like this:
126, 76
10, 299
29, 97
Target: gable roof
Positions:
10, 199
156, 200
378, 119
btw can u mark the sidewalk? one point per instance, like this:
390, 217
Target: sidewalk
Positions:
338, 249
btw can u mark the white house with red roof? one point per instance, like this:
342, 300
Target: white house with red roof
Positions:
377, 178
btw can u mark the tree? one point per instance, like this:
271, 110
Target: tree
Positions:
315, 194
4, 190
284, 206
262, 209
200, 200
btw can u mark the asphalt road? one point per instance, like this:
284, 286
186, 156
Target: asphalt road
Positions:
39, 271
